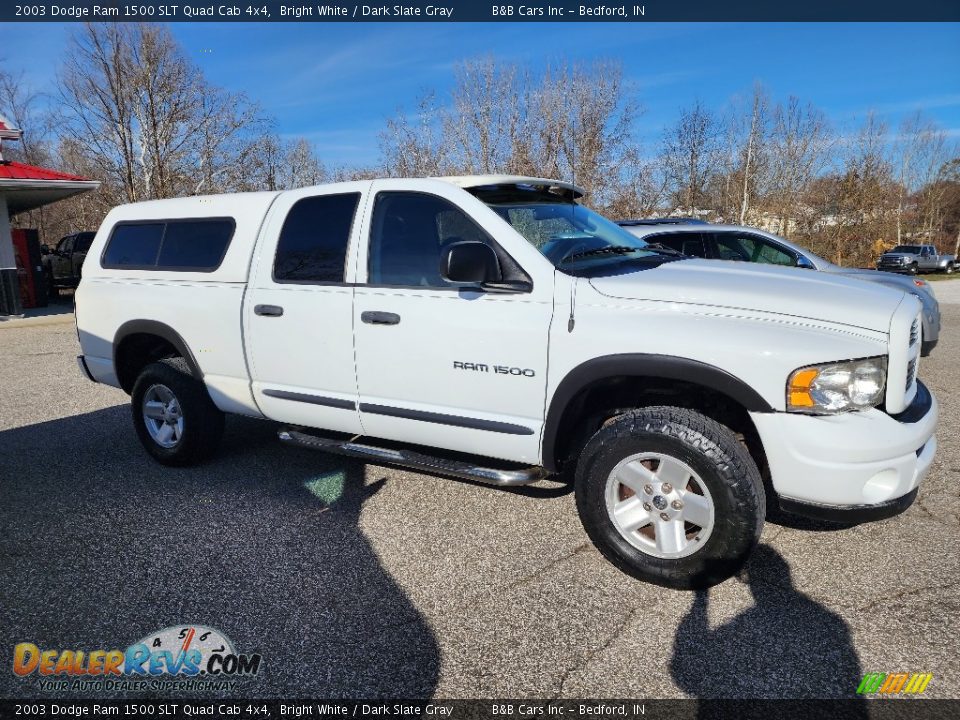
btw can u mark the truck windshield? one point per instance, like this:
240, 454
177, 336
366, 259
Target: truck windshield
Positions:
912, 249
572, 237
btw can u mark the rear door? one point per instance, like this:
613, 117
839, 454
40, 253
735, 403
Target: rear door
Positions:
61, 264
298, 310
81, 246
747, 247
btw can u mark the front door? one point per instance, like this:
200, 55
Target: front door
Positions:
438, 365
298, 311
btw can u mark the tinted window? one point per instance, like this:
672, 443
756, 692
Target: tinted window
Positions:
65, 245
751, 248
172, 245
83, 242
133, 245
194, 244
688, 243
314, 238
409, 232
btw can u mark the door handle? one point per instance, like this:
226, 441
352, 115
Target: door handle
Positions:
268, 310
373, 317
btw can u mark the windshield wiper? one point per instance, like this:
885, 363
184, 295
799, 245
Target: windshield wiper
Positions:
609, 250
658, 248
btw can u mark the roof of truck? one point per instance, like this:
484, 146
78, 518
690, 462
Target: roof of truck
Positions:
472, 181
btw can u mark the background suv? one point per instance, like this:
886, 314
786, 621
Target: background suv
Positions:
745, 244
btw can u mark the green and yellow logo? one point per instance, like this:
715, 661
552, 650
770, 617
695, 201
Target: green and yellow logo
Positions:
893, 683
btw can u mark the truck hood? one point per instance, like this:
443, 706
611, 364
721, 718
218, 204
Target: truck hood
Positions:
786, 291
900, 282
898, 255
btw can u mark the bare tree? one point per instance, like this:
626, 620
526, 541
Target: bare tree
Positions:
411, 147
147, 118
571, 122
690, 156
485, 116
798, 150
753, 148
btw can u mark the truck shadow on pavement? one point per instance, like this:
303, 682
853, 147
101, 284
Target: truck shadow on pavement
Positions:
100, 546
786, 646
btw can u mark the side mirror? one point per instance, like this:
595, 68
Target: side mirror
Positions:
470, 263
44, 249
803, 262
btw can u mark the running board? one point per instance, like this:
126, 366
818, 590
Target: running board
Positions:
414, 460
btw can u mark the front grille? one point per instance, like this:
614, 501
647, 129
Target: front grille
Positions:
911, 373
914, 332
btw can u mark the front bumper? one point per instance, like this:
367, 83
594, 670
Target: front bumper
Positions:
854, 462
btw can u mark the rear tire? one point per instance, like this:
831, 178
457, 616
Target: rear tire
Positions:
694, 507
174, 417
949, 269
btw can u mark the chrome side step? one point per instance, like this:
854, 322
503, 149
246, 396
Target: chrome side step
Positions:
414, 460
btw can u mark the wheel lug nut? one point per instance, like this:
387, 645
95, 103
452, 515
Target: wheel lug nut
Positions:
664, 516
648, 507
667, 487
676, 505
648, 489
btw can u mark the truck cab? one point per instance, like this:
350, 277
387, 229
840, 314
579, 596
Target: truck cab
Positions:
493, 328
64, 263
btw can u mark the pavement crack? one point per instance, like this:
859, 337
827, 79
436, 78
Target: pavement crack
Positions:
543, 569
582, 665
901, 594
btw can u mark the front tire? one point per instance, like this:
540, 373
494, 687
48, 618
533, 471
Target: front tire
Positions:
913, 269
174, 417
670, 497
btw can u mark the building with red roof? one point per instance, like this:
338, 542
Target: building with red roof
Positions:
25, 187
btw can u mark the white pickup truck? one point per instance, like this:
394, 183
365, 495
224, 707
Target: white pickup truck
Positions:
493, 329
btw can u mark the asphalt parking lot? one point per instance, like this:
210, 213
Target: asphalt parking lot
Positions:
362, 581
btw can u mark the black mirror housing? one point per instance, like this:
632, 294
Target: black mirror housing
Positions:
44, 249
470, 263
804, 263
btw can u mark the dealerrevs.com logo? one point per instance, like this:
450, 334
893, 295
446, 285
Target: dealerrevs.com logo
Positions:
185, 657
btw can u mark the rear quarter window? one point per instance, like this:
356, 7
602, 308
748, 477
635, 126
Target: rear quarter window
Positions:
197, 245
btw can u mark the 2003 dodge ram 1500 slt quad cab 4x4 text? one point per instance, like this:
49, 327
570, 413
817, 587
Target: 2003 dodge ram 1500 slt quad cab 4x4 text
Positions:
494, 329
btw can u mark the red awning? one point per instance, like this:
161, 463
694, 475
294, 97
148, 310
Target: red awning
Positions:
26, 187
19, 171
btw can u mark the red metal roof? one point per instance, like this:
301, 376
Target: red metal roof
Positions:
31, 173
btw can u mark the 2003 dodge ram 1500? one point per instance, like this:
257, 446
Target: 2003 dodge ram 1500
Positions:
432, 323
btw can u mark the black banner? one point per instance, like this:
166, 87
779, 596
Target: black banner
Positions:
486, 709
480, 11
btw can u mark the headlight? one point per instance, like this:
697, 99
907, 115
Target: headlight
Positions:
837, 387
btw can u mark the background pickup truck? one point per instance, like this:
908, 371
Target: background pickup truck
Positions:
493, 329
916, 258
62, 265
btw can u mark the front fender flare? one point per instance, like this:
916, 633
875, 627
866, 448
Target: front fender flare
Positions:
640, 365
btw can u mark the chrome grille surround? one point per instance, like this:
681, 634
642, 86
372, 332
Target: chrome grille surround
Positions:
903, 355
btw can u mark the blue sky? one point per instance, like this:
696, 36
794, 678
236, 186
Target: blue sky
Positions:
336, 83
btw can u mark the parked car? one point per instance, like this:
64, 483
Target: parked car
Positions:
491, 328
62, 265
916, 258
746, 244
